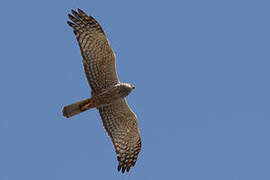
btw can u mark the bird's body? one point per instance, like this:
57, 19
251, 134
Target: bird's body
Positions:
106, 97
108, 94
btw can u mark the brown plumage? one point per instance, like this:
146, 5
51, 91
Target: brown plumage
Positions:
108, 94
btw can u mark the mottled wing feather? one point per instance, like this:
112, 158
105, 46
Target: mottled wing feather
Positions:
97, 56
121, 125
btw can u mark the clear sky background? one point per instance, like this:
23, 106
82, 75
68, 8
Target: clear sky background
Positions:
201, 71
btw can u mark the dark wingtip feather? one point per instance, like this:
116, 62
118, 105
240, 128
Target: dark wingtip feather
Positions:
82, 13
123, 169
71, 24
72, 18
73, 12
77, 15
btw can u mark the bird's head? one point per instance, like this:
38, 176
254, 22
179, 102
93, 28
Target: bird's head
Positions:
131, 86
126, 88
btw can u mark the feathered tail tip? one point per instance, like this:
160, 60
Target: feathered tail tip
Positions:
76, 108
71, 110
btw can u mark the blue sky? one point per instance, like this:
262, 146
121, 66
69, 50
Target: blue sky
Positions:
201, 71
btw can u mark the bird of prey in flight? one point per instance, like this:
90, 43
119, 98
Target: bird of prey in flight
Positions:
108, 94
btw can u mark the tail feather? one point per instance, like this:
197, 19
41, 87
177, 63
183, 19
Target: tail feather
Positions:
76, 108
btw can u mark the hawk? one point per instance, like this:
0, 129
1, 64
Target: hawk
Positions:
108, 94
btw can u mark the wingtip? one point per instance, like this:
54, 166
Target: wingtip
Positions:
123, 168
80, 11
73, 11
70, 16
70, 24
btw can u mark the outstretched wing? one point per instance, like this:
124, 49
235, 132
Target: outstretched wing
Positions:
97, 56
121, 125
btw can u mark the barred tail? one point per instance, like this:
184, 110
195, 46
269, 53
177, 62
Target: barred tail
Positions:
76, 108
